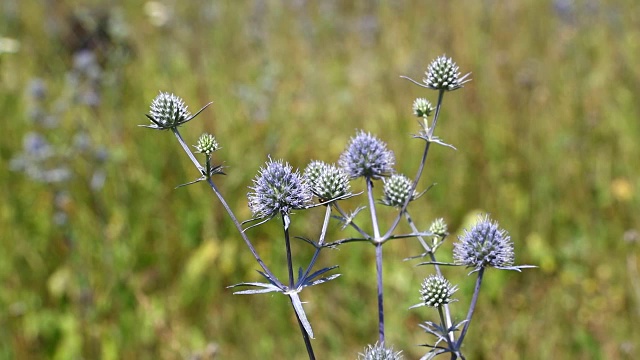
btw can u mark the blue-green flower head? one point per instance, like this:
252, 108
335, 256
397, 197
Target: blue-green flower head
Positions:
169, 111
367, 156
327, 181
443, 74
277, 189
313, 170
380, 352
396, 189
436, 291
422, 108
485, 245
439, 228
207, 144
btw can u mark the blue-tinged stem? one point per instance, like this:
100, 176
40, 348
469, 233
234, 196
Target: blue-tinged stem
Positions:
396, 221
378, 243
443, 322
420, 168
437, 114
226, 207
352, 223
244, 236
380, 294
323, 234
426, 247
472, 307
432, 256
187, 150
288, 246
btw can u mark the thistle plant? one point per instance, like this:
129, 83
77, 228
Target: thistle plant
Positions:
283, 193
379, 352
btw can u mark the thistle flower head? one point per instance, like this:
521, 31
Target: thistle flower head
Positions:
277, 189
436, 291
313, 170
380, 352
484, 245
396, 190
438, 228
422, 108
207, 144
169, 111
327, 181
443, 74
367, 156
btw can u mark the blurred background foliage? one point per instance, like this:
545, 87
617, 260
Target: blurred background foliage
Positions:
102, 259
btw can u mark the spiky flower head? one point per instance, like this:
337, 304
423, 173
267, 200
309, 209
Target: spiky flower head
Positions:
379, 352
367, 156
443, 74
327, 181
438, 228
436, 291
169, 111
422, 108
396, 190
313, 170
207, 144
486, 244
277, 189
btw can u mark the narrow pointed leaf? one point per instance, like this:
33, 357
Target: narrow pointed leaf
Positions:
266, 288
320, 272
297, 306
274, 282
249, 292
322, 280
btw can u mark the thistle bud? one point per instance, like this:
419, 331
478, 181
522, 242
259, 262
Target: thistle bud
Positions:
422, 108
168, 111
396, 190
438, 228
436, 291
327, 181
207, 144
443, 74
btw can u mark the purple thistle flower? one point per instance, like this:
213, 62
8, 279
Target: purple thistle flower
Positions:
485, 245
367, 156
278, 190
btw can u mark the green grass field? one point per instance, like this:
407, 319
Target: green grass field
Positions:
547, 133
